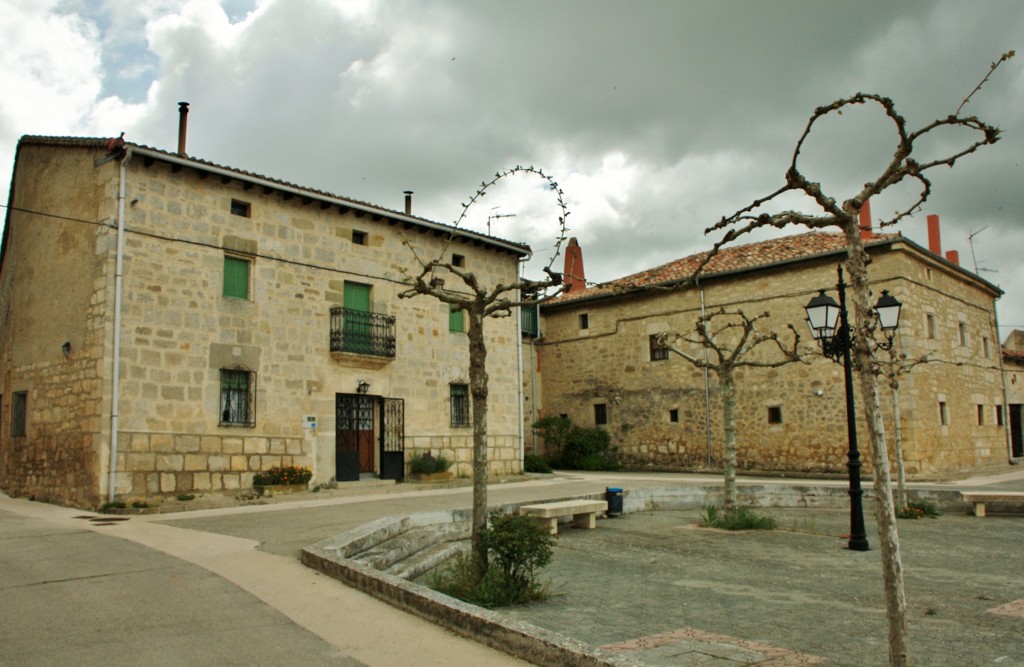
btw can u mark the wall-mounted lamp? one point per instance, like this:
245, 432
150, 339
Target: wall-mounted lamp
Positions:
66, 348
362, 386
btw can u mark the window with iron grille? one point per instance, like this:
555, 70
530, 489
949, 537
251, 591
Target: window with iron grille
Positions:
237, 397
600, 414
460, 404
658, 352
19, 411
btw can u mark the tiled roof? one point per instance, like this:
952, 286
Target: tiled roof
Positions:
729, 259
1013, 355
114, 143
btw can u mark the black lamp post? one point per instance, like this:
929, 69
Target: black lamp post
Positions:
830, 326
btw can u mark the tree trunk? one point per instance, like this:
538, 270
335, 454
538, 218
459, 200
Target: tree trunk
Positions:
892, 561
728, 389
478, 396
897, 448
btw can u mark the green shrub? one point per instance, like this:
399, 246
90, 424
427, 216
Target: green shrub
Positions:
534, 463
740, 518
589, 449
517, 547
283, 475
554, 431
113, 505
185, 497
425, 464
576, 447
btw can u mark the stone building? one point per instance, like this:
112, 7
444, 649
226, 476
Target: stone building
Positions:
1013, 365
597, 361
171, 326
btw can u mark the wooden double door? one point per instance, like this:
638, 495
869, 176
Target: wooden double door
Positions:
368, 426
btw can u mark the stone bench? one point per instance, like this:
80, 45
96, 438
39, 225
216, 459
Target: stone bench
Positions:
979, 498
583, 512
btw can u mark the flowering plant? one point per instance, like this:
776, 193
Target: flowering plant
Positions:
283, 475
917, 510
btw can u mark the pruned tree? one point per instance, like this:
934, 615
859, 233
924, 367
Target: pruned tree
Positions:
480, 300
843, 214
731, 338
893, 369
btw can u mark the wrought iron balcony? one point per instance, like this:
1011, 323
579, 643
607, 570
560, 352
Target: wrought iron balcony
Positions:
360, 332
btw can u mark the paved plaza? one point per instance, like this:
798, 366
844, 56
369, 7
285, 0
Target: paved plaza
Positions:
223, 586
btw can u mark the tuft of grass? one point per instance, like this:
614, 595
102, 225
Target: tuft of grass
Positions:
741, 518
185, 497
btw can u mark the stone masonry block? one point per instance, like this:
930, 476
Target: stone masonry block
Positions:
186, 443
210, 444
165, 462
167, 482
231, 445
239, 464
219, 463
196, 462
161, 442
255, 446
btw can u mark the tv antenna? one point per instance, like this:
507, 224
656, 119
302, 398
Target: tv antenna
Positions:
496, 216
970, 241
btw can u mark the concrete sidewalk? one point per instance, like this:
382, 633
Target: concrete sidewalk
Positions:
248, 556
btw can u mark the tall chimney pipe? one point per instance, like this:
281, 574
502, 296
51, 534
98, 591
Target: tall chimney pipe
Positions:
934, 238
408, 202
865, 222
182, 126
574, 277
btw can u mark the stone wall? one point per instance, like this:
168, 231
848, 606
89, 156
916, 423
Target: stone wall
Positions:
790, 418
53, 319
179, 331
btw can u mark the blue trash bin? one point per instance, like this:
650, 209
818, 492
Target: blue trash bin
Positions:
614, 497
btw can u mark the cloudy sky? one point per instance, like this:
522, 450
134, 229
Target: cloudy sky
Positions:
655, 117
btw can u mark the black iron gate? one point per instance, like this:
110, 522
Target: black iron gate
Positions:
354, 436
392, 439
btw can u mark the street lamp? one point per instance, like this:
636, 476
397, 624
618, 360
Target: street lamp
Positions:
830, 326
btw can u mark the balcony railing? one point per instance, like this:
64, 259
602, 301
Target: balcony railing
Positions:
360, 332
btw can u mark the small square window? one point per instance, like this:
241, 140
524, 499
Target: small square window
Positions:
584, 321
986, 347
930, 325
358, 237
962, 331
943, 413
237, 397
459, 394
19, 414
673, 416
774, 414
600, 414
999, 415
241, 208
458, 260
658, 352
981, 415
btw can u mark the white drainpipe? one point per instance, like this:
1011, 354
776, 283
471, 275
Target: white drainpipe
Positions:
118, 279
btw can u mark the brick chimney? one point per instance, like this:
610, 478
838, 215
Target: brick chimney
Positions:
408, 202
573, 277
934, 238
866, 234
953, 256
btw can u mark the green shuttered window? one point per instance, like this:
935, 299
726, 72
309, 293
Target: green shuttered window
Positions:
236, 278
